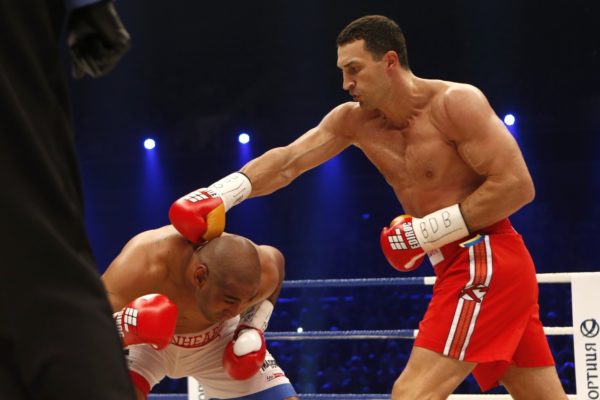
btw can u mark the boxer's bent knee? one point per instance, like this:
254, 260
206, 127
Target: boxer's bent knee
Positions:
404, 389
430, 375
538, 383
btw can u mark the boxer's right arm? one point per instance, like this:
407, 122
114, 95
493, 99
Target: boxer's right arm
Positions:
278, 167
200, 215
133, 281
149, 319
136, 271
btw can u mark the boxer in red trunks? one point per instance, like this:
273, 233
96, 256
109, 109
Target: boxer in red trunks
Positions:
484, 309
459, 173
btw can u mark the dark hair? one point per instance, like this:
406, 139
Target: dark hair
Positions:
380, 34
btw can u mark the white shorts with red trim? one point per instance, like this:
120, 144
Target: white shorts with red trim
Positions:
200, 355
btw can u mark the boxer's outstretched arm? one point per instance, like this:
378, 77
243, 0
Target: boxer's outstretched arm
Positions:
200, 215
279, 166
489, 149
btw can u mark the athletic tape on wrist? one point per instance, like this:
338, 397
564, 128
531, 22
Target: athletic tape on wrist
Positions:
233, 189
258, 316
440, 227
118, 318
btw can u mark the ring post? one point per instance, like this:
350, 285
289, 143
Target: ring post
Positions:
585, 294
195, 391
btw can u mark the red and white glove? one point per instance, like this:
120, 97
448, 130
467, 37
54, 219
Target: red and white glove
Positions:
407, 239
245, 354
148, 319
200, 215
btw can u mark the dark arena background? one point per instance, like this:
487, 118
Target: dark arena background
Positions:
200, 73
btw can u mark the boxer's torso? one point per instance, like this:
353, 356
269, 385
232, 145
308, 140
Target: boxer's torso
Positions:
417, 160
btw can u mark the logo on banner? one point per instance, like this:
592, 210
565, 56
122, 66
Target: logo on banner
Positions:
589, 328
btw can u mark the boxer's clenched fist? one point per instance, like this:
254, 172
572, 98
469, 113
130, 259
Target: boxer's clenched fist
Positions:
200, 215
148, 319
407, 239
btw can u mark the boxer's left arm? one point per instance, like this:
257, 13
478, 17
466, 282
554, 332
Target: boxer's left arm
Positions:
245, 354
272, 274
485, 144
272, 264
464, 115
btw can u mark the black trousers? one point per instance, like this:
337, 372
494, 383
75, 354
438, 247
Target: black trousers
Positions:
57, 336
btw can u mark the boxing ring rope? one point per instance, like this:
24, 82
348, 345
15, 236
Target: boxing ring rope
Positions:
561, 277
590, 285
363, 396
378, 334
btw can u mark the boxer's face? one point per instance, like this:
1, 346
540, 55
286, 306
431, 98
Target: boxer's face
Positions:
364, 78
222, 299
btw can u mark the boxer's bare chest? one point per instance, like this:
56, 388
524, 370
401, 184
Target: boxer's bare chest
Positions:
418, 161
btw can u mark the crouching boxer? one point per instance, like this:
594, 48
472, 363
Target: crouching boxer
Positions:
198, 311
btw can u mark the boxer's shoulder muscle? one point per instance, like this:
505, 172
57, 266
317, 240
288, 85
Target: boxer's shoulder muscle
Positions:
347, 118
456, 104
141, 267
272, 265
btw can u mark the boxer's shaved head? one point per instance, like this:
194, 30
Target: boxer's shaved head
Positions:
231, 258
227, 278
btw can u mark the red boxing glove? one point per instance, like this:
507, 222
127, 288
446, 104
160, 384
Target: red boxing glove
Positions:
245, 354
406, 241
200, 215
400, 245
148, 319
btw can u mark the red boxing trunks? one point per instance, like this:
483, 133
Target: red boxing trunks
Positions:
484, 307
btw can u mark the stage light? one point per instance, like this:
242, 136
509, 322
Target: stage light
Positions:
509, 119
243, 138
149, 144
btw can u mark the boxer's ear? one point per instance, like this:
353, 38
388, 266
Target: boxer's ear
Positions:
391, 59
200, 275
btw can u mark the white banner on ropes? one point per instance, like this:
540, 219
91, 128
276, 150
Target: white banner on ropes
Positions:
585, 292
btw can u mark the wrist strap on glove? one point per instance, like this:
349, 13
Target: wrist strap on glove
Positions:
440, 228
233, 189
257, 316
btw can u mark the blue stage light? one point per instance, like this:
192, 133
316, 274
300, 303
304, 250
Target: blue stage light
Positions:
244, 138
149, 144
509, 119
